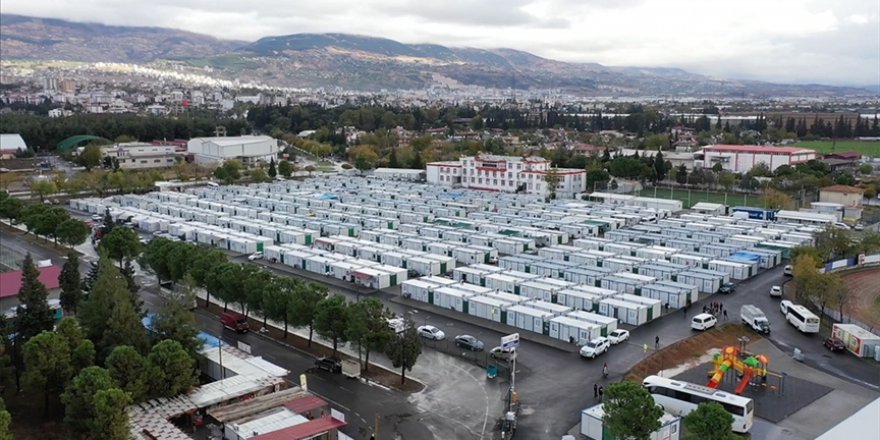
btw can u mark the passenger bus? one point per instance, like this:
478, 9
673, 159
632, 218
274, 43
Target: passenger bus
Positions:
680, 398
803, 319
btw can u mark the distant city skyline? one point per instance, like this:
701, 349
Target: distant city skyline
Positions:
787, 41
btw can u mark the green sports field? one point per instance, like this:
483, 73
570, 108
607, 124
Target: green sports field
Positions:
867, 148
691, 198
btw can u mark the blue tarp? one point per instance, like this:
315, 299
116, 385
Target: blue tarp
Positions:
329, 196
745, 256
208, 340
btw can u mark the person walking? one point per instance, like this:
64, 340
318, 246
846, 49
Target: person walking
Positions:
595, 391
656, 342
601, 391
605, 370
725, 315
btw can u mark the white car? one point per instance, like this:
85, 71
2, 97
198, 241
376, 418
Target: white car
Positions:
431, 332
502, 354
595, 347
784, 305
776, 291
703, 321
787, 270
618, 336
255, 256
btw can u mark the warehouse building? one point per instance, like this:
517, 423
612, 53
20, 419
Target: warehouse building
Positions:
741, 158
507, 174
140, 155
248, 149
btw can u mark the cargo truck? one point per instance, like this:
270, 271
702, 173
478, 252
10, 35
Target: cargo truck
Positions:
753, 317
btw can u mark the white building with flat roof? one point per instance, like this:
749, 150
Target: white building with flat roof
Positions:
741, 158
248, 149
140, 155
506, 174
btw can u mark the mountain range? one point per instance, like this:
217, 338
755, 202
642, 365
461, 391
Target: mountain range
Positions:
365, 63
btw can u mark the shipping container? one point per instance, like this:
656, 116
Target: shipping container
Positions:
706, 281
527, 318
625, 284
690, 260
689, 290
625, 311
490, 308
654, 305
606, 324
572, 330
857, 340
470, 275
736, 271
502, 282
374, 278
452, 298
578, 299
418, 290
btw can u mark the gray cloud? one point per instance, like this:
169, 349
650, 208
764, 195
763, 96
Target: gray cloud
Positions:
821, 41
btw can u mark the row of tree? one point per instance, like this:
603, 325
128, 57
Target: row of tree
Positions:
288, 300
49, 221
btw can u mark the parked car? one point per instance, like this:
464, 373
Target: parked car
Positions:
469, 342
784, 305
502, 354
834, 344
97, 217
595, 347
255, 256
618, 336
328, 364
703, 321
431, 332
776, 291
727, 288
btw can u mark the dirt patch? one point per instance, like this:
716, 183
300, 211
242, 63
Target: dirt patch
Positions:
690, 349
375, 373
864, 293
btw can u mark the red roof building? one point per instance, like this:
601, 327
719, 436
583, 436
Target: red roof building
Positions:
10, 284
741, 158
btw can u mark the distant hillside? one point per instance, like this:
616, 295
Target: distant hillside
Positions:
365, 63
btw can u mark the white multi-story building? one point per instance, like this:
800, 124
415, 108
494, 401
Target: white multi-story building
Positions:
248, 149
741, 158
506, 174
139, 155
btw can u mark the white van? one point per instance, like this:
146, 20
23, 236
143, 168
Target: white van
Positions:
703, 321
787, 270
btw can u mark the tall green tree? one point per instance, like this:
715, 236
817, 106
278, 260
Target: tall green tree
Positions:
72, 232
630, 411
681, 174
71, 285
285, 168
121, 244
43, 188
111, 415
659, 166
82, 350
272, 171
11, 208
124, 327
332, 318
304, 306
279, 298
128, 369
90, 157
404, 349
175, 319
255, 282
79, 399
33, 316
170, 370
47, 365
368, 327
710, 421
109, 289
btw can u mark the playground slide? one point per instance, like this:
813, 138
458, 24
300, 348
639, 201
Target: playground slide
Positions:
744, 382
718, 374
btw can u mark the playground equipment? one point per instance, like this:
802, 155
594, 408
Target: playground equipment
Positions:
746, 367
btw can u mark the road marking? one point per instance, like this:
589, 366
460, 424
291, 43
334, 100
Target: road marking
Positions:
485, 394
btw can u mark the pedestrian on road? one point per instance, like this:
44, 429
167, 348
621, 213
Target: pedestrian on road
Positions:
656, 342
684, 311
601, 391
645, 347
725, 315
721, 306
704, 309
595, 390
605, 370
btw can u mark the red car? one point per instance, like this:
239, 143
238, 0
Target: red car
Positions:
834, 344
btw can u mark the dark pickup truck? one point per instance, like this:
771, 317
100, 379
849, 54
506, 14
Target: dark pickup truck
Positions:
727, 288
329, 364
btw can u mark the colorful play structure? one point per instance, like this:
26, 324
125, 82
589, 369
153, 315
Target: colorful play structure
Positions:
746, 367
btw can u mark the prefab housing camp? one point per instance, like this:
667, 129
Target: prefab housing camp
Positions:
606, 323
627, 312
569, 329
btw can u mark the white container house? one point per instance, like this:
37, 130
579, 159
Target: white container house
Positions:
569, 329
606, 324
627, 312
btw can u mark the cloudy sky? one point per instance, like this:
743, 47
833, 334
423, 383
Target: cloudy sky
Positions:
798, 41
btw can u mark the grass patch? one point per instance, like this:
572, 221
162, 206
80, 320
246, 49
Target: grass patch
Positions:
868, 148
691, 198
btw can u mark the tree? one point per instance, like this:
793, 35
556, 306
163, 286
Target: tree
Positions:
259, 176
272, 171
806, 276
111, 415
368, 327
82, 350
90, 157
405, 350
229, 172
175, 320
331, 319
72, 232
11, 208
128, 369
774, 199
760, 169
33, 315
659, 166
278, 299
5, 421
304, 306
79, 399
710, 421
364, 157
108, 290
726, 179
121, 244
43, 188
630, 411
285, 168
681, 174
47, 365
310, 169
170, 370
123, 327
